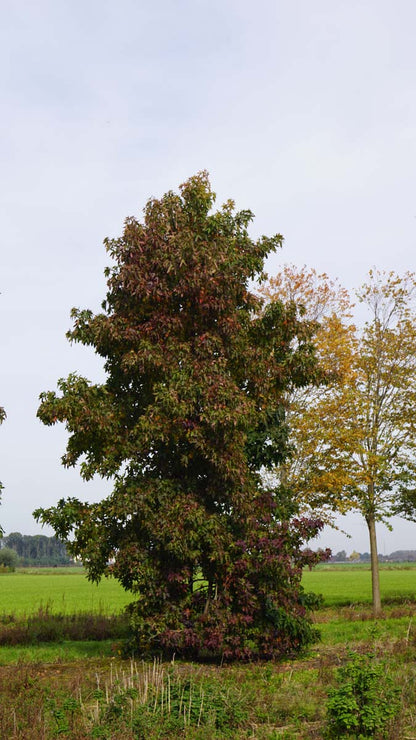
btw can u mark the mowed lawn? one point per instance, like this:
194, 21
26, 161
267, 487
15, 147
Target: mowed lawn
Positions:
345, 586
60, 591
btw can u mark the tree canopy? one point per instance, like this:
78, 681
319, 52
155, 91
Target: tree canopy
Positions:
191, 412
326, 306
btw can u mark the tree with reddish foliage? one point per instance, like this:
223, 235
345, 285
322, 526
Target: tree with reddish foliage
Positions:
190, 415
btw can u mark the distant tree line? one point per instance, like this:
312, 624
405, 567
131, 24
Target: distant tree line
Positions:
398, 556
36, 549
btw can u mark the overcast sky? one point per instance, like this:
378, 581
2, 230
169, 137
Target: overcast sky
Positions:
302, 110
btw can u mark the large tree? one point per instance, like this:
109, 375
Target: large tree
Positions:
356, 439
190, 412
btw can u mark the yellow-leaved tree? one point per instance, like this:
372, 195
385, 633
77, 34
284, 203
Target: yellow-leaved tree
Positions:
354, 437
326, 307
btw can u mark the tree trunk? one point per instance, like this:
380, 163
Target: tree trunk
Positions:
284, 474
208, 599
375, 577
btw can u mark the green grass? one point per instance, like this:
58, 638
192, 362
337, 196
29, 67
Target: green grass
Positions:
341, 631
345, 566
353, 586
109, 698
63, 652
67, 590
59, 590
83, 689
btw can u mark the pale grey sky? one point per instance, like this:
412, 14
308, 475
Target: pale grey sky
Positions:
302, 111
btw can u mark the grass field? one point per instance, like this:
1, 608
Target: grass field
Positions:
64, 590
342, 586
82, 689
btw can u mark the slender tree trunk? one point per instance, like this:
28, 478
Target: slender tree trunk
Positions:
208, 599
375, 577
284, 475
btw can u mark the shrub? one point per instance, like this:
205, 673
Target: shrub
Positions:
365, 701
259, 612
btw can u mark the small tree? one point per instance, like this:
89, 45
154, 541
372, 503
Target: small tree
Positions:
356, 438
191, 411
8, 558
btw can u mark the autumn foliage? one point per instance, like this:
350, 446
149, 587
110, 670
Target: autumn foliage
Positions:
354, 436
190, 415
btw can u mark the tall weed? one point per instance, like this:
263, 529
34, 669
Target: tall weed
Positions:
46, 626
